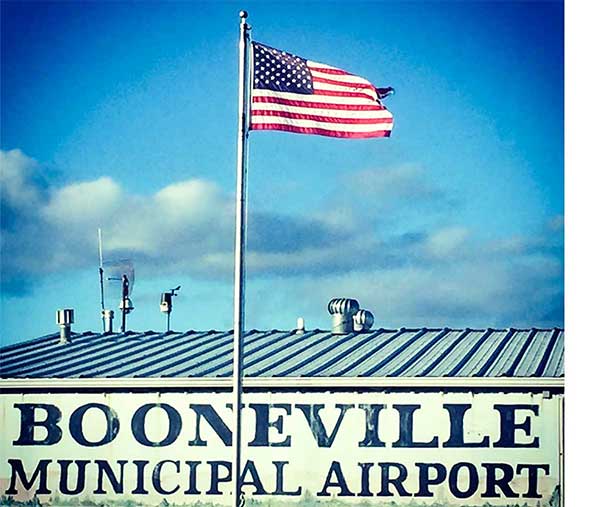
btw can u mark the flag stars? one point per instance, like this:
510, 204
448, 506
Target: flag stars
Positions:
280, 71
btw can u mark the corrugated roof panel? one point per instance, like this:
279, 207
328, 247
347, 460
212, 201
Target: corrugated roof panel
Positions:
555, 365
345, 346
462, 343
278, 357
359, 347
373, 345
117, 351
301, 356
507, 353
382, 353
259, 357
325, 355
159, 349
379, 353
49, 350
406, 353
433, 355
81, 350
534, 353
198, 357
484, 348
19, 350
221, 364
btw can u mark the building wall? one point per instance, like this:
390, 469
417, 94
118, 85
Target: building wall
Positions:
448, 448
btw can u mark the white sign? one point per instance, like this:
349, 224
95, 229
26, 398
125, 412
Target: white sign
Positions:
415, 448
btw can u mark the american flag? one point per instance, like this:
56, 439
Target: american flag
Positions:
296, 95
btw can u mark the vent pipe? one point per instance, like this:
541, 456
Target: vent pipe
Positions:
342, 311
301, 326
363, 320
108, 321
64, 319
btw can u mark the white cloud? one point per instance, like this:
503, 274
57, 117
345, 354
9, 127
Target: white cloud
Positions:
445, 242
86, 204
405, 180
442, 276
17, 171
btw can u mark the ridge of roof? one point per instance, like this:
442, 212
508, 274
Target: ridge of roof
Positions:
132, 332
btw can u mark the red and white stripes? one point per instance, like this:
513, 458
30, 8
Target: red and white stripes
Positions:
341, 105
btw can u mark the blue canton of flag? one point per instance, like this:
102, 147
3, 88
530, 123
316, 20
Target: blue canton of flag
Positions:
281, 71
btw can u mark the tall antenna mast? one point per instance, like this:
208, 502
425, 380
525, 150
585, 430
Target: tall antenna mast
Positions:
101, 278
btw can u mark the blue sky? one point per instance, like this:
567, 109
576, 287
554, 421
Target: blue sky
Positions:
123, 116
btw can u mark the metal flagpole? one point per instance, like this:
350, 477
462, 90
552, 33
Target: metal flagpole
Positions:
240, 271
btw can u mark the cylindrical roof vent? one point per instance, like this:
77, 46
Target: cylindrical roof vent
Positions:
342, 311
64, 319
301, 326
108, 321
363, 320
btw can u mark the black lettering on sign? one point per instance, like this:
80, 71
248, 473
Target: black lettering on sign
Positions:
216, 478
472, 480
76, 425
406, 428
533, 472
371, 438
208, 413
104, 469
140, 477
256, 483
279, 488
192, 489
424, 477
312, 415
365, 479
28, 424
157, 477
339, 482
509, 426
396, 482
502, 482
65, 475
263, 423
139, 430
456, 412
18, 472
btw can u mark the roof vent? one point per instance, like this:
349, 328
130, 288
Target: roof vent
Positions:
301, 326
65, 318
342, 311
108, 321
363, 320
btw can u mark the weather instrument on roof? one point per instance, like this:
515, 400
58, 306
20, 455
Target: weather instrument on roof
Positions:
119, 276
166, 305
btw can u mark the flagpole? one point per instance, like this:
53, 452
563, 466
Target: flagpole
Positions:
240, 271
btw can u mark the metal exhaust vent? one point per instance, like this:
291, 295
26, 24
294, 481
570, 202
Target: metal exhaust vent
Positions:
342, 311
108, 321
64, 319
363, 320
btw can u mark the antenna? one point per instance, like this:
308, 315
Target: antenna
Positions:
101, 294
166, 305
